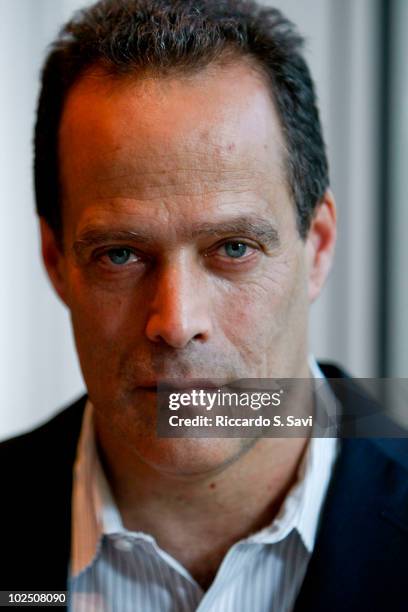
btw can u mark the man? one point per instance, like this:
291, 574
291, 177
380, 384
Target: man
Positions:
187, 223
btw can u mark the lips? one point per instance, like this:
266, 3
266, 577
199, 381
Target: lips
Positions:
181, 385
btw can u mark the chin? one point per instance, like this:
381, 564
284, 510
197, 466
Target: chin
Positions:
192, 457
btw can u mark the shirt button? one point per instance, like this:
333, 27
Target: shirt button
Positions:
123, 544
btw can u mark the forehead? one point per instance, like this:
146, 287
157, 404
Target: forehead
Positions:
151, 137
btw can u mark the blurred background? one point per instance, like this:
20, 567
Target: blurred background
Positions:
357, 52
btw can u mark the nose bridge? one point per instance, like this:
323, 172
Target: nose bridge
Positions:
174, 289
179, 309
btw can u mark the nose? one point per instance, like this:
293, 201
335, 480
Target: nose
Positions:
179, 310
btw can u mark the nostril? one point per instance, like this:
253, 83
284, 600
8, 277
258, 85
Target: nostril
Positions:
201, 337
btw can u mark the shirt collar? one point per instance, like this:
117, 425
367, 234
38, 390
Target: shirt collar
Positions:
302, 506
95, 513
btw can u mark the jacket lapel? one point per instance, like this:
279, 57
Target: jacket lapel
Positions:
36, 526
360, 559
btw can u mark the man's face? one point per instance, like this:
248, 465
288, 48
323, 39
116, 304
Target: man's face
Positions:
181, 256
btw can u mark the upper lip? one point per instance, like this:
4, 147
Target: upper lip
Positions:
176, 383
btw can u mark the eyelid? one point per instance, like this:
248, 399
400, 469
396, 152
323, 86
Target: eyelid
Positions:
102, 252
115, 247
249, 243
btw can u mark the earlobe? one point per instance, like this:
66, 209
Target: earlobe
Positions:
320, 245
54, 260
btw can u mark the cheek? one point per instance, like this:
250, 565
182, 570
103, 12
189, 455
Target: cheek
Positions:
262, 312
104, 323
104, 313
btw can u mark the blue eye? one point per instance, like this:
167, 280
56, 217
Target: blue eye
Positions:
235, 249
119, 257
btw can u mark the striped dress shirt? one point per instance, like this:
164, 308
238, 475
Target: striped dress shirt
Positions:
113, 569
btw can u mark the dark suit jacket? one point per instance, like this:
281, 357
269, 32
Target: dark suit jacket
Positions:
360, 560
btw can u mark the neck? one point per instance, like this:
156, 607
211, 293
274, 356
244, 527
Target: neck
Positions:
198, 519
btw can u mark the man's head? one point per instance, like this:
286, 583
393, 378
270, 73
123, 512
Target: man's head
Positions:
162, 37
181, 179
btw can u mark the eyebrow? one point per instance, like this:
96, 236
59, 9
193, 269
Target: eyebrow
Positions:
253, 227
99, 236
250, 226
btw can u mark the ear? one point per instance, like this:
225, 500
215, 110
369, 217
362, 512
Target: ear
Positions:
54, 260
320, 243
